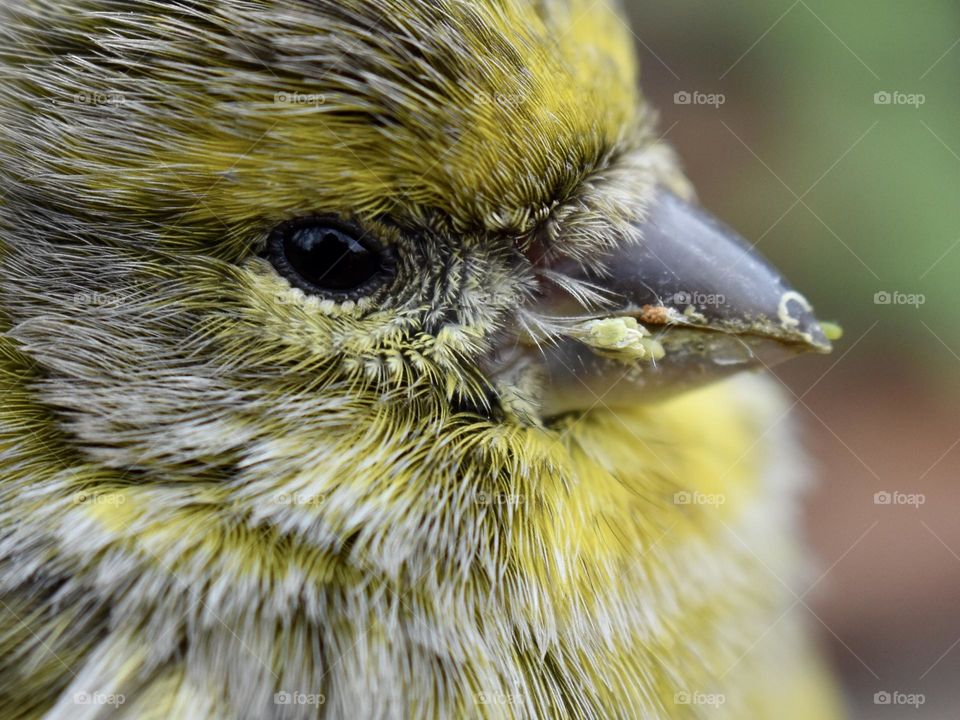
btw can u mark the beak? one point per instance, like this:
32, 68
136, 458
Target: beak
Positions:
689, 303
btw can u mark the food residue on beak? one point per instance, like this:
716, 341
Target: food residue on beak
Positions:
620, 338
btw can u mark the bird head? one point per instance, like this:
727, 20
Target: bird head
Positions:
347, 248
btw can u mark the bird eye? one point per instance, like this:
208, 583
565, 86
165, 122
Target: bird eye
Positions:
328, 257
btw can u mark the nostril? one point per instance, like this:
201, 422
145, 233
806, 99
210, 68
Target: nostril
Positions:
539, 250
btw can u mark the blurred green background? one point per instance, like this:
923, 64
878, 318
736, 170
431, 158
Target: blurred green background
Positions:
851, 194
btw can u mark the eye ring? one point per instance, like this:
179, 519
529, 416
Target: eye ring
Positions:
330, 257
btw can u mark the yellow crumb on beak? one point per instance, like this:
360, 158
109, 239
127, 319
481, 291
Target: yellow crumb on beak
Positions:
621, 338
832, 331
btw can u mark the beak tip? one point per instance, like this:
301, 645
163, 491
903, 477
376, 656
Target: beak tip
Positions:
802, 326
811, 338
816, 337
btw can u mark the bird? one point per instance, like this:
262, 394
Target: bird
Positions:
375, 359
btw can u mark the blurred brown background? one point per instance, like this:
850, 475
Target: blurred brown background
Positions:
835, 147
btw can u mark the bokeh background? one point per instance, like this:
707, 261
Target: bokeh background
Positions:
836, 149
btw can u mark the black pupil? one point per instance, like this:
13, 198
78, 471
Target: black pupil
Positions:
330, 258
